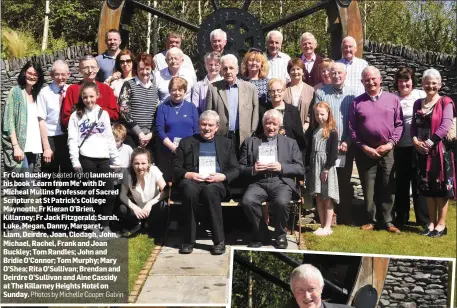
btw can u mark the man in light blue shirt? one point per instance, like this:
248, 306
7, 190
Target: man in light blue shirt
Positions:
354, 65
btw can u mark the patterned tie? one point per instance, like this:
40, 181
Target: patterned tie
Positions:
61, 96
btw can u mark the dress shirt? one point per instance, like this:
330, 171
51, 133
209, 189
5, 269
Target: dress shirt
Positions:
160, 63
340, 101
48, 102
106, 63
309, 63
278, 66
146, 85
232, 99
200, 91
354, 70
163, 78
376, 123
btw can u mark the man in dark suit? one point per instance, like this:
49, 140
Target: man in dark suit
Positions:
307, 284
311, 60
270, 162
197, 184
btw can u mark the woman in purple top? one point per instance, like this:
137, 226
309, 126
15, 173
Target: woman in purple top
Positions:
431, 123
176, 119
213, 68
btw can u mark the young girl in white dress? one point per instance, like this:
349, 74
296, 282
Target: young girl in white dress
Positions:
323, 180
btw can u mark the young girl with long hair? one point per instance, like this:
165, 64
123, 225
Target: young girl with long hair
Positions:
91, 144
146, 186
321, 158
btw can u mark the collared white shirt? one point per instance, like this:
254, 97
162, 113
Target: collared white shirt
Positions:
163, 78
146, 85
159, 60
150, 191
309, 63
278, 66
48, 104
354, 70
376, 97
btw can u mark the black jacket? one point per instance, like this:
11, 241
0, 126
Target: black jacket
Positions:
188, 152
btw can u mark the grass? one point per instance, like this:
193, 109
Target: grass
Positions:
140, 248
409, 243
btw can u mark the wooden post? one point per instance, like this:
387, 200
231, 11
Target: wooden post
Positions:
44, 45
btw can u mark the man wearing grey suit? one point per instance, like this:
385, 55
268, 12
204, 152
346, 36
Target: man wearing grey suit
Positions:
271, 162
236, 101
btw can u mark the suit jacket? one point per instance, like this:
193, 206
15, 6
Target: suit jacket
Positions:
305, 102
248, 107
289, 156
312, 78
188, 152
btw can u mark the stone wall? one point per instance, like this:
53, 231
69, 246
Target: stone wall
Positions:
388, 58
416, 283
10, 68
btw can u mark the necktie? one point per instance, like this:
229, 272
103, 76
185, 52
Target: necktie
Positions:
61, 96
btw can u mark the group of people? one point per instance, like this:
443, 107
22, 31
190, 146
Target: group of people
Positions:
279, 120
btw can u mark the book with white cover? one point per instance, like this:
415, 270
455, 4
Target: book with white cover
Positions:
267, 154
340, 161
176, 141
206, 165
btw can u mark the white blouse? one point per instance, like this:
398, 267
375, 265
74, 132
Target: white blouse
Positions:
33, 137
151, 189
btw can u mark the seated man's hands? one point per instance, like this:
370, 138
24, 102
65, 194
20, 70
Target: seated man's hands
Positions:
194, 176
258, 167
215, 178
274, 167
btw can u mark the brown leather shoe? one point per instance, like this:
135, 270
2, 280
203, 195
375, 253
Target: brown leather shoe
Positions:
367, 227
393, 229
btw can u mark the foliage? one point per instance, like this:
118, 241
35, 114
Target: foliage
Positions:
18, 44
352, 239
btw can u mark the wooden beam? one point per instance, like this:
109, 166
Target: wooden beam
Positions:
109, 19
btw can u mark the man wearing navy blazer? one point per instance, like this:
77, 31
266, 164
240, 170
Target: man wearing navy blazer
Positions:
272, 178
209, 191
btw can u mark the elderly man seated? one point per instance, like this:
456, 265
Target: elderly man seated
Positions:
307, 283
203, 167
270, 162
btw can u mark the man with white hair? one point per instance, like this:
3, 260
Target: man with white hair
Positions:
174, 58
354, 65
208, 190
310, 59
173, 40
235, 101
50, 99
218, 40
307, 284
270, 163
376, 125
340, 97
277, 60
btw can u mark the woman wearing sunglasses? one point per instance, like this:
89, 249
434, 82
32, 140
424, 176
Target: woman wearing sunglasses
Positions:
124, 69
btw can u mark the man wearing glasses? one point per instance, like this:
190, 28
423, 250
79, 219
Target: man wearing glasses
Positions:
88, 67
235, 101
107, 59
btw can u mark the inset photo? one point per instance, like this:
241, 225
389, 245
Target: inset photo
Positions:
324, 280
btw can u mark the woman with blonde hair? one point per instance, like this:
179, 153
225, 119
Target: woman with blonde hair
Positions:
254, 68
324, 73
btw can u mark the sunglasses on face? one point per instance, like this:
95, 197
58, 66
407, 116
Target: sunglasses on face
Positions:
128, 61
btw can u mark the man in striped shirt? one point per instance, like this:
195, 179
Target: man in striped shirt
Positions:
340, 97
354, 65
277, 60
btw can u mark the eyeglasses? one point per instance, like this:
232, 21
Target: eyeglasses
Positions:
128, 61
34, 75
88, 69
253, 49
276, 91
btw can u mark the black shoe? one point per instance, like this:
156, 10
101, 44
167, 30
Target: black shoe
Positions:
218, 249
436, 233
255, 244
186, 249
426, 232
281, 242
